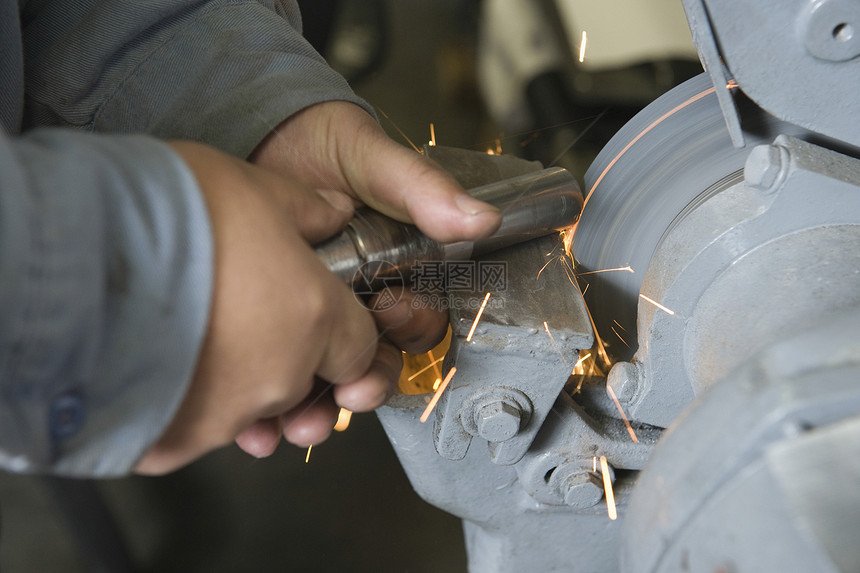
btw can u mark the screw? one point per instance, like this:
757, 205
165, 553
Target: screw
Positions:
625, 379
498, 421
582, 490
764, 165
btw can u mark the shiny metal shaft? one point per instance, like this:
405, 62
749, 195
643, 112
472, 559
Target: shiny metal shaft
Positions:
375, 250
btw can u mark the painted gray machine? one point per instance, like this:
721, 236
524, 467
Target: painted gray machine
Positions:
735, 198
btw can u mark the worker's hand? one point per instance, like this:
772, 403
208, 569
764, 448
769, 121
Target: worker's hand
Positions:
280, 321
337, 146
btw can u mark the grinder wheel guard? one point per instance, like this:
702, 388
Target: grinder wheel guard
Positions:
669, 158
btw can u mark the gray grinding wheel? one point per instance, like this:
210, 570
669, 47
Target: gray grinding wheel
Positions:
641, 182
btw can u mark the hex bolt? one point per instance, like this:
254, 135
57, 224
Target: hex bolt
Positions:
765, 166
582, 490
498, 421
625, 379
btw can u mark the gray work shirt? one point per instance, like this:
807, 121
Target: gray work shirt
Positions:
105, 246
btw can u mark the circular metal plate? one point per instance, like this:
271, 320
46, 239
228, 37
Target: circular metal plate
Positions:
668, 157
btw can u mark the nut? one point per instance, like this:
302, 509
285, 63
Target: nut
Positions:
582, 490
498, 421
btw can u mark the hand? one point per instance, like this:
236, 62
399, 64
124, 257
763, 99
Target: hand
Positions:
278, 320
337, 146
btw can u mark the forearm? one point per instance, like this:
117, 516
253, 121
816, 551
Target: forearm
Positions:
223, 72
105, 279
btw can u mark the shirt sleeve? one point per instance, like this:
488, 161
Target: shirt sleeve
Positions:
223, 72
105, 283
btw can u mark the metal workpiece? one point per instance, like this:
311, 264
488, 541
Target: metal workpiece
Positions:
375, 250
761, 474
741, 270
513, 368
795, 58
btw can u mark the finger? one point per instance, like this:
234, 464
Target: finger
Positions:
376, 386
318, 214
261, 439
409, 187
409, 325
312, 421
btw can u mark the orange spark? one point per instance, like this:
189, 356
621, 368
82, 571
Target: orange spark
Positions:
435, 364
343, 418
732, 84
580, 361
551, 339
607, 489
582, 44
621, 411
400, 131
432, 141
621, 338
308, 455
436, 384
428, 367
477, 318
627, 268
437, 395
657, 304
641, 134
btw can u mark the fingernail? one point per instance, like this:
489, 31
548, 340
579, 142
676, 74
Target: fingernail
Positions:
336, 199
472, 206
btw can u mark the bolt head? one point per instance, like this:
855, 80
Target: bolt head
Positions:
498, 421
624, 379
582, 490
763, 167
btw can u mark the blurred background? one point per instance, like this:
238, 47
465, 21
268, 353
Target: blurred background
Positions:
510, 76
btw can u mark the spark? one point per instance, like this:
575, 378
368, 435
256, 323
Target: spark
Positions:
732, 84
594, 464
641, 134
586, 289
308, 455
619, 325
627, 268
581, 360
343, 418
601, 349
436, 384
543, 267
552, 339
400, 131
582, 44
432, 142
607, 489
567, 239
657, 304
621, 411
428, 367
477, 318
437, 395
621, 338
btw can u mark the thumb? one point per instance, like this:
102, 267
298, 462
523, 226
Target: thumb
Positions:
410, 187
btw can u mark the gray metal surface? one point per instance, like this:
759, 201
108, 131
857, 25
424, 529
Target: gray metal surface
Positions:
744, 268
795, 58
761, 473
670, 157
531, 502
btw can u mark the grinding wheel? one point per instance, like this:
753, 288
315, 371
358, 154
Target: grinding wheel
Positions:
671, 156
